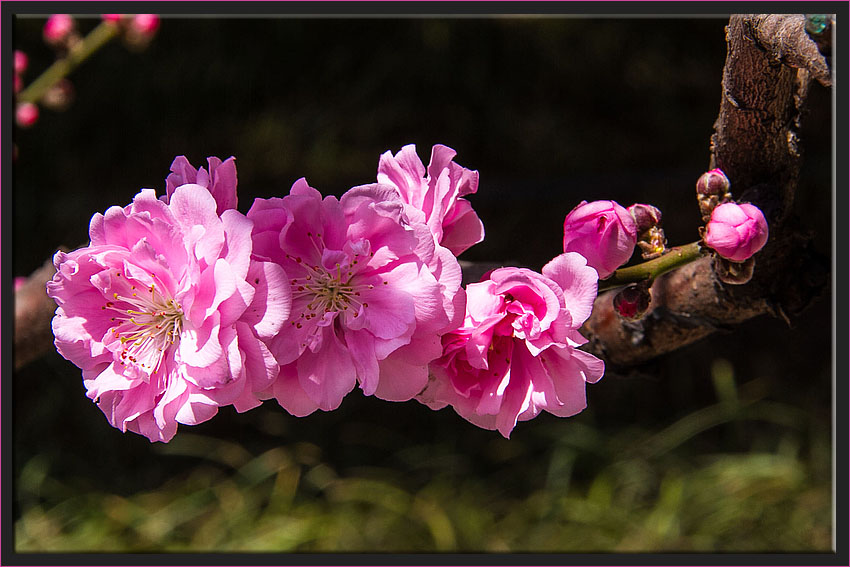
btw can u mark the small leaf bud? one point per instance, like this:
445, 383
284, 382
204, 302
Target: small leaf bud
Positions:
653, 243
645, 216
651, 239
734, 273
713, 188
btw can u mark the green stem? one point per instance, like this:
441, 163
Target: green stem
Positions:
670, 260
61, 68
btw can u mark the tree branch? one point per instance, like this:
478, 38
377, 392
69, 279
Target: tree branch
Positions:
33, 312
769, 65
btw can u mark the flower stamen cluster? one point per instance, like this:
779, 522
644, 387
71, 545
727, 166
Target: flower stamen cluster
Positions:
147, 328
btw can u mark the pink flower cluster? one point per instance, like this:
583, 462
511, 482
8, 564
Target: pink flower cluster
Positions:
181, 304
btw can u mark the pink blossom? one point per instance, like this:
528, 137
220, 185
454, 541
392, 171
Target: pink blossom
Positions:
735, 231
21, 61
220, 180
145, 24
26, 114
111, 18
167, 313
603, 232
438, 194
58, 28
515, 353
372, 294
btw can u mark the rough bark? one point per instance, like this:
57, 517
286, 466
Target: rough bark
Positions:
770, 63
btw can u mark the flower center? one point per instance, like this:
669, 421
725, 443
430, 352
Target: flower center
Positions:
327, 291
323, 290
146, 325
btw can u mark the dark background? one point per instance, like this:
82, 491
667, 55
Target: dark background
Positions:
550, 111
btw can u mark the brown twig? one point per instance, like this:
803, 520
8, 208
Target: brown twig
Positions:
33, 312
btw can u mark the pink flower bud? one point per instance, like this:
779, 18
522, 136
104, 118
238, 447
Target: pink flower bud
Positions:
26, 114
735, 231
111, 18
603, 232
145, 24
18, 83
58, 28
21, 61
141, 30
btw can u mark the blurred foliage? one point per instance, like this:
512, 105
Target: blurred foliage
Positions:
565, 486
722, 446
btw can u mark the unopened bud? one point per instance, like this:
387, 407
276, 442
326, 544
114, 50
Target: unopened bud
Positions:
21, 61
651, 238
734, 273
59, 96
736, 231
632, 302
713, 188
646, 217
58, 29
146, 24
111, 18
17, 83
141, 30
26, 114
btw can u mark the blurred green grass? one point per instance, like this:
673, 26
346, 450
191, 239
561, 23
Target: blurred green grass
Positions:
648, 490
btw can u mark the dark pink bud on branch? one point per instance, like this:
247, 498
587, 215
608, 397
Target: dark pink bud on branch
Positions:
632, 302
21, 61
58, 29
26, 114
141, 30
